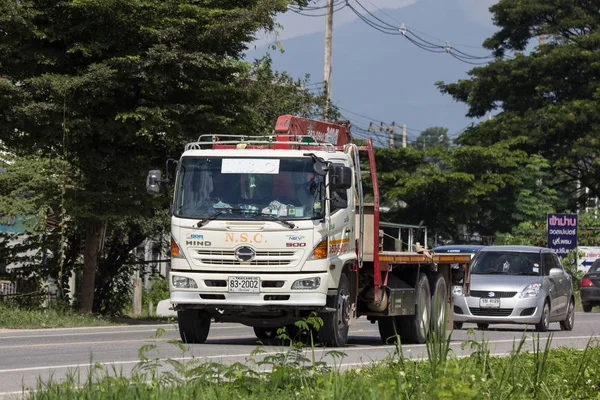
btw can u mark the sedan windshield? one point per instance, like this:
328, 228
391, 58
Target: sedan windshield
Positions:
248, 188
506, 263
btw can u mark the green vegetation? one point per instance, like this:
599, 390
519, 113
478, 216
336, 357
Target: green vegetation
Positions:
540, 374
96, 93
27, 318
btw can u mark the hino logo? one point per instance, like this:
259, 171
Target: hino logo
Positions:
491, 294
244, 254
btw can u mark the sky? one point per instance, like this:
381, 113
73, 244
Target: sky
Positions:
377, 77
295, 25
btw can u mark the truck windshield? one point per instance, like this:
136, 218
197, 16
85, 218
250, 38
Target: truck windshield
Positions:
248, 188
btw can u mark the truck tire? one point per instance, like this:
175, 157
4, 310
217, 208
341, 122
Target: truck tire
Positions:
265, 333
439, 303
194, 325
414, 328
388, 330
334, 332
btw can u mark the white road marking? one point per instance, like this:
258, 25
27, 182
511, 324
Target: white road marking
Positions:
406, 348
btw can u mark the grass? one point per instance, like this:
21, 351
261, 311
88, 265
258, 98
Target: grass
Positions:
24, 318
14, 317
542, 373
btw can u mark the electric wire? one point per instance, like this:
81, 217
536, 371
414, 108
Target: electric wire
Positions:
387, 28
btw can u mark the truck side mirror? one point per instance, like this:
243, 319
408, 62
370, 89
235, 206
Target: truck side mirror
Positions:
342, 177
153, 182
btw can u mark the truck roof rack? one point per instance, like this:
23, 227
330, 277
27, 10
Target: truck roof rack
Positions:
280, 142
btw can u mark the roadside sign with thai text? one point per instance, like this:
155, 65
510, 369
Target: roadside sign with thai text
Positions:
562, 233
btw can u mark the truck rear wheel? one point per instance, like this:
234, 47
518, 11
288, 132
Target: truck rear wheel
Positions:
414, 328
388, 329
194, 325
265, 333
334, 331
439, 306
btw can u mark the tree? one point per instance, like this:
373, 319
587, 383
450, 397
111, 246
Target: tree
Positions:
111, 89
113, 86
432, 137
547, 96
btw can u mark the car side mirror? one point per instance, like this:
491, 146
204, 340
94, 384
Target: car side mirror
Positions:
153, 182
342, 177
556, 273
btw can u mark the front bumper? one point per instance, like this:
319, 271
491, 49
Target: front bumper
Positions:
269, 296
514, 310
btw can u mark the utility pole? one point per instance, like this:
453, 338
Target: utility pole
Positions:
404, 135
328, 53
391, 131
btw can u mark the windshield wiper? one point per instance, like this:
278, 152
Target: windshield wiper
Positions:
209, 218
274, 218
244, 211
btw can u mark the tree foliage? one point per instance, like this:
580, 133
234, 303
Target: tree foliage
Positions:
549, 96
112, 88
432, 137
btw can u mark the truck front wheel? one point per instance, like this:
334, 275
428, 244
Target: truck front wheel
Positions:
194, 325
334, 332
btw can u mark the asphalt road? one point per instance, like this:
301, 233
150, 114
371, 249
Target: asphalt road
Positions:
29, 355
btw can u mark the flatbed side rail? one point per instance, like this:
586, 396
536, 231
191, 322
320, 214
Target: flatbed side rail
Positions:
376, 267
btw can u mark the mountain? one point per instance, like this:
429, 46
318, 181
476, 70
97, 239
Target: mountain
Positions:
387, 78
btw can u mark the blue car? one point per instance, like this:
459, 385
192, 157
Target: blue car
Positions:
471, 249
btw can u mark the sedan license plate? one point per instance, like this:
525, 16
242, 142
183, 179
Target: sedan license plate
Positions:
244, 284
489, 303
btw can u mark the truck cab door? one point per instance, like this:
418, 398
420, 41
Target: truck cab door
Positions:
341, 225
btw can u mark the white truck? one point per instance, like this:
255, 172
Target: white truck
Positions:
266, 230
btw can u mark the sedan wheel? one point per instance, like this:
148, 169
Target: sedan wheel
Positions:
544, 323
587, 307
569, 321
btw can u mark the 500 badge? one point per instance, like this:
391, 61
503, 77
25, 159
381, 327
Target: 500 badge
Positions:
295, 244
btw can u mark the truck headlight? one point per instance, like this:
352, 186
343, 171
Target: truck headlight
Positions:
307, 284
181, 282
532, 290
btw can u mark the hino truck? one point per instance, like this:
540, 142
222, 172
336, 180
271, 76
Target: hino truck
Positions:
266, 230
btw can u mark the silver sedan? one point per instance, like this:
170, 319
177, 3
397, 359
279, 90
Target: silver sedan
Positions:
516, 285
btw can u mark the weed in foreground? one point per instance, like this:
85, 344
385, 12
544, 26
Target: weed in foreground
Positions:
298, 372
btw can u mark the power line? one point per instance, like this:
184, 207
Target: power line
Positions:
391, 29
300, 10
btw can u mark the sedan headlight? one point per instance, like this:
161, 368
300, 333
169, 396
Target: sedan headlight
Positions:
457, 290
181, 282
531, 290
307, 284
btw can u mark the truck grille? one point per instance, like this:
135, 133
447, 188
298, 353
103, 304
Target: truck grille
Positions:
263, 258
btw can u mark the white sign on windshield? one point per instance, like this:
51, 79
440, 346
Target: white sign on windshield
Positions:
249, 166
